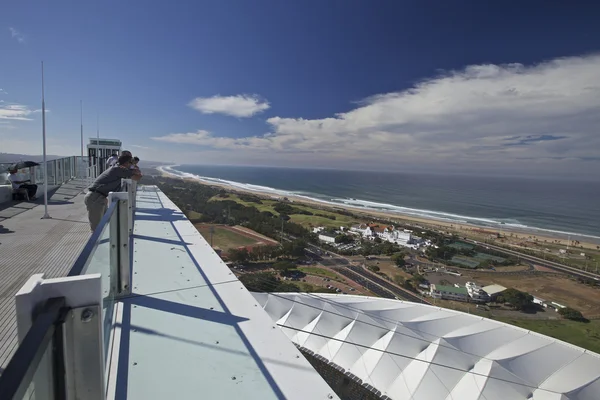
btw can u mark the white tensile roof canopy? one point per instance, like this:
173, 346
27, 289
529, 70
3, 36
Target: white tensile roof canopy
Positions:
415, 351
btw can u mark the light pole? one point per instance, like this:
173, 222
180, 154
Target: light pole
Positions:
81, 119
46, 215
97, 144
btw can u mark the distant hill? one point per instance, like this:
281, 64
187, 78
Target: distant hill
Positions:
10, 157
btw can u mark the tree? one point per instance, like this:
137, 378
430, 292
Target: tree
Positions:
238, 255
286, 287
259, 282
343, 239
294, 248
283, 208
373, 268
398, 259
399, 279
418, 278
572, 314
519, 300
283, 266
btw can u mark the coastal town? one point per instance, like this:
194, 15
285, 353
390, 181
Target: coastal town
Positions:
469, 292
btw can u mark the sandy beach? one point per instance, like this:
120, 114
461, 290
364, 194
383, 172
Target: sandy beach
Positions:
526, 238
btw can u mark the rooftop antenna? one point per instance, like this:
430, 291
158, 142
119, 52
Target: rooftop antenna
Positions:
46, 215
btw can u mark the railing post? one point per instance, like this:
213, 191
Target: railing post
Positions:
134, 197
55, 172
80, 342
119, 227
128, 186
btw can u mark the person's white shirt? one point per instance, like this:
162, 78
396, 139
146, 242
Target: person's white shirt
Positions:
112, 161
14, 178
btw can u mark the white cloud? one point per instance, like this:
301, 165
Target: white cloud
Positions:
137, 146
3, 91
16, 112
500, 116
241, 105
201, 138
18, 36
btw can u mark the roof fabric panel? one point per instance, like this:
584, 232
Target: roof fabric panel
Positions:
418, 351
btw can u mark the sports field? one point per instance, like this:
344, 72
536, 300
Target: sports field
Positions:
228, 237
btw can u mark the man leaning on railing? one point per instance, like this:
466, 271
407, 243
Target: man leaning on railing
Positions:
96, 200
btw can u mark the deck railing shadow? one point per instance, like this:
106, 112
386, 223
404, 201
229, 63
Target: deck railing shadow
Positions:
226, 316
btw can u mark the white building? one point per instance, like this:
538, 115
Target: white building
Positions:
327, 237
318, 229
493, 291
476, 292
540, 301
366, 230
448, 293
395, 235
100, 150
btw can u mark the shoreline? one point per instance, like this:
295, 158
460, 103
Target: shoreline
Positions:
517, 234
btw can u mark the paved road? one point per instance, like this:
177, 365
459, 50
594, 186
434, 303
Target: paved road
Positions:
365, 282
378, 285
398, 292
548, 264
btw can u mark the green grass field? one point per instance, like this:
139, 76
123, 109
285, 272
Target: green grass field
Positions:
225, 238
301, 219
317, 271
586, 335
193, 214
266, 206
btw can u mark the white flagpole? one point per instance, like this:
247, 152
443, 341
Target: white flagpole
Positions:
81, 118
97, 144
46, 215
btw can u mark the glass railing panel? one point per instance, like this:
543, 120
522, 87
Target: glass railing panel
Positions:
96, 258
4, 174
59, 172
68, 174
29, 374
39, 174
80, 167
50, 171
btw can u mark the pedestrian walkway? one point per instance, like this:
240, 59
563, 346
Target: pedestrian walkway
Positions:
30, 245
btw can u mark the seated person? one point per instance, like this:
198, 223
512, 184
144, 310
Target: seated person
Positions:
17, 184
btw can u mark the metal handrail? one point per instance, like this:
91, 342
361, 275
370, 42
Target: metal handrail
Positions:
20, 371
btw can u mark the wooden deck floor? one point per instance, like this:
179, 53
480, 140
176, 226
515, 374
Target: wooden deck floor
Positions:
30, 245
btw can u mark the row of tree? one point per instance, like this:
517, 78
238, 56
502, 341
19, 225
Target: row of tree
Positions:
269, 282
289, 249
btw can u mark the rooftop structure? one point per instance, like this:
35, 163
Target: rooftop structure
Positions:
414, 351
449, 292
100, 150
493, 290
476, 292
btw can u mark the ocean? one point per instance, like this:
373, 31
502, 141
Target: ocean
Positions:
548, 207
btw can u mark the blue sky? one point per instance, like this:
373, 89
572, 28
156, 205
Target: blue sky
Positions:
453, 85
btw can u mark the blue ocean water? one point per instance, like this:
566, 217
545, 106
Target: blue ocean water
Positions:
552, 207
